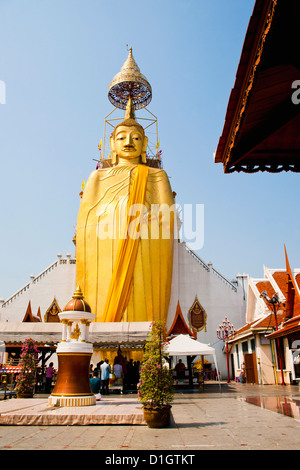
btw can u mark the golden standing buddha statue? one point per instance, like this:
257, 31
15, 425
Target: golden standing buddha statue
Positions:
125, 231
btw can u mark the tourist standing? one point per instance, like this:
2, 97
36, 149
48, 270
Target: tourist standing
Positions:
49, 376
105, 371
96, 384
118, 369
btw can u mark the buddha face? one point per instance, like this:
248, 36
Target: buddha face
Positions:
129, 143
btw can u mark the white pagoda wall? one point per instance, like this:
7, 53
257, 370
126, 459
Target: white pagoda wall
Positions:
57, 281
193, 277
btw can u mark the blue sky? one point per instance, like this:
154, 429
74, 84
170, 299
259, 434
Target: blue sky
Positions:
57, 59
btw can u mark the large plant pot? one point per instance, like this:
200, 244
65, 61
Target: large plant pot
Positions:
158, 417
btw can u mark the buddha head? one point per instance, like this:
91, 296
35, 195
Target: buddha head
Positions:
128, 141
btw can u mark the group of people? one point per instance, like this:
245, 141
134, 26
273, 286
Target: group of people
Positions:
45, 377
101, 375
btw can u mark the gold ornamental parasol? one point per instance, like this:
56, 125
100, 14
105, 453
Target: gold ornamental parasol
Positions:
130, 83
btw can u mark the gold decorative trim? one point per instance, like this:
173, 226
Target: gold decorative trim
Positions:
65, 395
247, 89
73, 354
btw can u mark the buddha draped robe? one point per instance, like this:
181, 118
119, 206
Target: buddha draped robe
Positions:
124, 243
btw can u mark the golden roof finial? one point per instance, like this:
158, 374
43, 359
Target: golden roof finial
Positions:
78, 294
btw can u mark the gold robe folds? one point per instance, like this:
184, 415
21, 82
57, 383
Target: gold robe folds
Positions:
124, 243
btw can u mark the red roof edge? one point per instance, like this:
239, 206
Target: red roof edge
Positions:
248, 55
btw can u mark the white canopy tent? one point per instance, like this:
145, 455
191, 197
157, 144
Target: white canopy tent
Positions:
184, 345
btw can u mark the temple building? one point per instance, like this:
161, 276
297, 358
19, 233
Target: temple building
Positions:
267, 347
201, 298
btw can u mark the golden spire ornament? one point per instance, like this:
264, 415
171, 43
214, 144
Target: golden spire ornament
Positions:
130, 83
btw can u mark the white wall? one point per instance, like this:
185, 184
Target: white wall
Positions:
58, 281
217, 297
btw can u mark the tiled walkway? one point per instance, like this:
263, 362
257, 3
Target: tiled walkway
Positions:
234, 417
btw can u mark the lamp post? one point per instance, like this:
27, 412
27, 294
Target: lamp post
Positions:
225, 330
274, 302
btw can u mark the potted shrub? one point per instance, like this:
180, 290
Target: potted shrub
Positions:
155, 388
25, 381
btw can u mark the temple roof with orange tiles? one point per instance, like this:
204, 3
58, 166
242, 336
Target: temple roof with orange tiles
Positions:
260, 316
